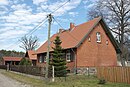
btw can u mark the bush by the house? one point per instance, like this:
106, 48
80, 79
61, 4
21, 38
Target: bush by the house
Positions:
102, 81
25, 61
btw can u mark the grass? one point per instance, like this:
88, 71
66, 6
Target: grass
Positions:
71, 81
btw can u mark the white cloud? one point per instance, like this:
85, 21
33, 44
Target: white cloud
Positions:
3, 10
21, 7
73, 14
21, 18
19, 22
4, 2
67, 7
89, 3
37, 2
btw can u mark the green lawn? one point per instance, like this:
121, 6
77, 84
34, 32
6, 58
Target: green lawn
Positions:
71, 81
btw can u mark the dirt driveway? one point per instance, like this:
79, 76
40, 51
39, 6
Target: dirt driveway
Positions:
8, 82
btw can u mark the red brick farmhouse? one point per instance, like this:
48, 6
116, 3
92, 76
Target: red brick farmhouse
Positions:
87, 44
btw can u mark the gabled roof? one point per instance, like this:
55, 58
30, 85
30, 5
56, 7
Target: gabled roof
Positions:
12, 58
31, 54
73, 38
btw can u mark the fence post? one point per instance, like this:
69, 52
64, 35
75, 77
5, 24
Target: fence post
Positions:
7, 67
53, 74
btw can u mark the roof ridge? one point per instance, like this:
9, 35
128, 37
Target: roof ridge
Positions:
73, 34
91, 28
88, 21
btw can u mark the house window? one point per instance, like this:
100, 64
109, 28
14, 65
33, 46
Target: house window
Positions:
89, 39
98, 35
40, 59
68, 56
107, 42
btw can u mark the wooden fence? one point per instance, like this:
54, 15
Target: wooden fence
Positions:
33, 70
3, 67
114, 74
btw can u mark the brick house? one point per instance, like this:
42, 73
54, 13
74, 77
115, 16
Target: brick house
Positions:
32, 56
85, 45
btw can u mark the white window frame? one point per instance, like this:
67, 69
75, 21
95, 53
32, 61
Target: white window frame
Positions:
68, 56
107, 42
89, 39
98, 37
40, 59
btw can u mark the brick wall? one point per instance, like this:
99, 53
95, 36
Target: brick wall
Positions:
91, 53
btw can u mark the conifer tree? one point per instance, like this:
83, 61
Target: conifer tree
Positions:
25, 61
58, 61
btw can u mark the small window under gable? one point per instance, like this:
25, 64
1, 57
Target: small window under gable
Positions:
68, 58
89, 39
107, 42
98, 37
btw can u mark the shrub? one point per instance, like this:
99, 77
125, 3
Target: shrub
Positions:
102, 81
25, 61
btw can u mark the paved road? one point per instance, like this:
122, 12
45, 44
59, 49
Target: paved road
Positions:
8, 82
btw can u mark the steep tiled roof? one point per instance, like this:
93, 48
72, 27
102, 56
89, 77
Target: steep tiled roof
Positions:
71, 38
74, 37
31, 54
12, 58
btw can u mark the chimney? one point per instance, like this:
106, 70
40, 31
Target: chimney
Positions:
61, 30
72, 26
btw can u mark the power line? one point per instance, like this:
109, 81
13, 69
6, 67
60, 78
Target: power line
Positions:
31, 31
42, 22
13, 45
63, 28
35, 28
60, 6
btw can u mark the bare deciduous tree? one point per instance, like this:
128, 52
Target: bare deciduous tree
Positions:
117, 15
29, 43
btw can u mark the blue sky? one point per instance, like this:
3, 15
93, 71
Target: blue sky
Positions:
19, 17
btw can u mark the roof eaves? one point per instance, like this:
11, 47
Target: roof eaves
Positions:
114, 42
88, 32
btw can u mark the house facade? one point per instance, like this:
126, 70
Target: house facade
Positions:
86, 45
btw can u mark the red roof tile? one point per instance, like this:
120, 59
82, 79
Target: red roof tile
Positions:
70, 38
12, 58
32, 55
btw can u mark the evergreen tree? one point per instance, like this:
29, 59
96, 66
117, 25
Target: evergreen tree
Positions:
25, 61
58, 61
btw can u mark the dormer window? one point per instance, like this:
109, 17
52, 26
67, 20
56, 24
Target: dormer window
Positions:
98, 35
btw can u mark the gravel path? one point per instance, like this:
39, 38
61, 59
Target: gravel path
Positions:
8, 82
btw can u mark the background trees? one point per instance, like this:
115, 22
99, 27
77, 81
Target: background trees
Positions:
11, 53
29, 43
58, 61
117, 15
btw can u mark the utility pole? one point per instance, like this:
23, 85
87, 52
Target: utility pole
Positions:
48, 47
